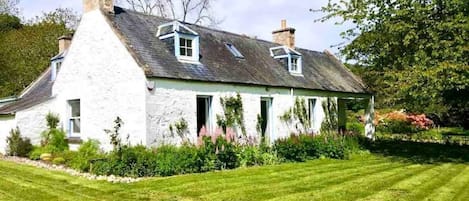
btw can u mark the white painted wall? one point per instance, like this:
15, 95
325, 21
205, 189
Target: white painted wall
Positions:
100, 72
172, 99
6, 124
32, 121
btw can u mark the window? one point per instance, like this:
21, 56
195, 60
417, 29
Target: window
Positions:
311, 106
184, 39
288, 57
294, 65
234, 51
185, 47
204, 110
266, 120
74, 118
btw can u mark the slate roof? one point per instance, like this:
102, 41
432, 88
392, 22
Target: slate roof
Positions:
321, 71
38, 92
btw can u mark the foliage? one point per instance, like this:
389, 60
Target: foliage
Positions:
299, 114
25, 51
330, 123
17, 145
303, 147
9, 23
180, 128
256, 156
233, 113
80, 159
58, 161
413, 54
114, 135
54, 139
36, 152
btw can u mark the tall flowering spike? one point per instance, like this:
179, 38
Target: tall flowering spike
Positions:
230, 135
203, 131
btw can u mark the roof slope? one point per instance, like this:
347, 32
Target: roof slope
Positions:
321, 71
38, 92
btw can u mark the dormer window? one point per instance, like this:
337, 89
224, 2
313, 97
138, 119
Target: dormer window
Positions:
185, 47
184, 39
289, 57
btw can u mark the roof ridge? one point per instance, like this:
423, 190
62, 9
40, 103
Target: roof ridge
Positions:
214, 29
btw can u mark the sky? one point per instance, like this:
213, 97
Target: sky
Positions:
249, 17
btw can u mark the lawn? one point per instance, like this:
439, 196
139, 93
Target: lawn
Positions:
369, 177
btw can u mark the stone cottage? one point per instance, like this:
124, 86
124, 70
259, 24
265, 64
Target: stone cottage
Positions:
153, 72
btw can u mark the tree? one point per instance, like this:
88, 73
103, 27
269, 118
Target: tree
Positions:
25, 52
9, 22
414, 51
9, 7
192, 11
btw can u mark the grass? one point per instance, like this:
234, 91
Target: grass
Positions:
366, 177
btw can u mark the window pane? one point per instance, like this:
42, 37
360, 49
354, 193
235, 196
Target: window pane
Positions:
189, 52
182, 42
76, 125
75, 108
189, 43
182, 51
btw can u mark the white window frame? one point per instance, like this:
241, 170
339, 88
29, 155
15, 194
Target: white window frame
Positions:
176, 34
209, 119
71, 118
236, 53
290, 55
311, 113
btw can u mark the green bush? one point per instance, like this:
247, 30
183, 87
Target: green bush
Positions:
80, 159
54, 139
356, 128
290, 149
303, 147
35, 154
58, 161
398, 127
17, 145
253, 155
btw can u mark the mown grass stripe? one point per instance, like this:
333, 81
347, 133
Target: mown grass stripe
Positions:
283, 187
452, 188
235, 181
257, 171
369, 185
402, 189
315, 191
41, 178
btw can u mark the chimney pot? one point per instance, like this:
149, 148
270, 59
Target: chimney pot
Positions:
64, 42
285, 35
284, 24
106, 5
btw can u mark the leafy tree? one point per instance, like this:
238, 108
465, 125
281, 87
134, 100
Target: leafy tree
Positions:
26, 49
413, 52
9, 22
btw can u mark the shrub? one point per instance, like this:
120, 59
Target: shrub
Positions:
80, 159
253, 155
290, 149
58, 161
35, 154
54, 139
17, 145
303, 147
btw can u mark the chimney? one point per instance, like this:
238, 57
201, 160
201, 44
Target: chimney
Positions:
64, 42
285, 35
105, 5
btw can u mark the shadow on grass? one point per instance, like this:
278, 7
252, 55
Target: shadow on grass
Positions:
420, 152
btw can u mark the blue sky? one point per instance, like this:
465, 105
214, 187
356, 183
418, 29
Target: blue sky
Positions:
253, 18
